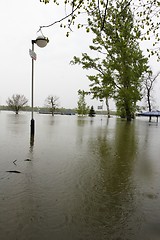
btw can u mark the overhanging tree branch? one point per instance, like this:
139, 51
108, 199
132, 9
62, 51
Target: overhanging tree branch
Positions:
104, 17
67, 16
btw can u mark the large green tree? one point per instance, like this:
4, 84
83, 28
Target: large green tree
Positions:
121, 62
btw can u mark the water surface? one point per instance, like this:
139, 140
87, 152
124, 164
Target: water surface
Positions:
87, 179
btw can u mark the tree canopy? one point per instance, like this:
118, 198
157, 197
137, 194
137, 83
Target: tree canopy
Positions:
149, 82
52, 103
82, 108
146, 12
120, 64
16, 102
92, 112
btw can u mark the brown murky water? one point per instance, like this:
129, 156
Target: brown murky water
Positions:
87, 179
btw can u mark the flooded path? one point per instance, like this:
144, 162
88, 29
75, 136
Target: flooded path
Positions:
79, 178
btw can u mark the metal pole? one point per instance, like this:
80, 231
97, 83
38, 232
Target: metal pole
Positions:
32, 92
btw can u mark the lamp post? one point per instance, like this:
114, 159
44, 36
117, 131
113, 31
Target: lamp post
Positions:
41, 42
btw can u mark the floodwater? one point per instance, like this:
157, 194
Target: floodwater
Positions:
85, 179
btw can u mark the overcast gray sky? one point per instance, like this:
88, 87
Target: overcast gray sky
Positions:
20, 21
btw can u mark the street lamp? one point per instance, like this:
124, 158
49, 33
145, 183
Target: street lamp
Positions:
41, 42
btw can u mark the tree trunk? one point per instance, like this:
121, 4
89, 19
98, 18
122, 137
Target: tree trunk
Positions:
128, 113
149, 104
129, 118
108, 110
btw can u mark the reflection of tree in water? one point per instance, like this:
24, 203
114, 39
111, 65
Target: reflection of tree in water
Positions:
82, 124
107, 206
17, 123
119, 182
81, 121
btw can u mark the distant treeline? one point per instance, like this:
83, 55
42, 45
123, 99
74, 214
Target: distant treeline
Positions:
58, 110
39, 109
